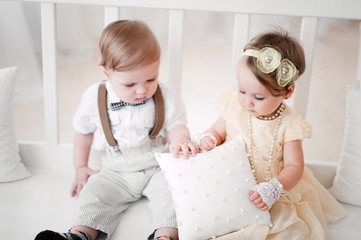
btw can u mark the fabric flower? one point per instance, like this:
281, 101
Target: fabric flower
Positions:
268, 59
286, 72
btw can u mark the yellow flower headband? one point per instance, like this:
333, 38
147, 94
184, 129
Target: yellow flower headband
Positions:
269, 59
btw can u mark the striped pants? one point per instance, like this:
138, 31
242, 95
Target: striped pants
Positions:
110, 192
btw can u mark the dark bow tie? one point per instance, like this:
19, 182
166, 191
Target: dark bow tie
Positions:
118, 105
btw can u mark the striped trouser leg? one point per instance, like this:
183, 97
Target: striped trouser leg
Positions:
104, 197
160, 202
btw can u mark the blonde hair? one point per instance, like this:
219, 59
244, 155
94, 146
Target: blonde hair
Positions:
288, 46
127, 44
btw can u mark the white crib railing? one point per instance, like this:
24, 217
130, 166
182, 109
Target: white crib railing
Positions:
309, 10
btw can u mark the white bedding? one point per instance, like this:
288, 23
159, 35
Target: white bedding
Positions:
43, 202
349, 227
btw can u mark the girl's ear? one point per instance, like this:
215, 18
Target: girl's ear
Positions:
289, 91
105, 71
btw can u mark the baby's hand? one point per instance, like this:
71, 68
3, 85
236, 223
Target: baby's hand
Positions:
257, 200
182, 145
81, 177
207, 142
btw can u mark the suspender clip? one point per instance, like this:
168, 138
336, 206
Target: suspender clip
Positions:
113, 150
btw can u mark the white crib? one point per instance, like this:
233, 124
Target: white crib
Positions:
47, 158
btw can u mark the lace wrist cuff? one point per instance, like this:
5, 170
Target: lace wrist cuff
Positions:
269, 191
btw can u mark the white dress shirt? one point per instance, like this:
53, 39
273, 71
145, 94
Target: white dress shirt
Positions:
130, 124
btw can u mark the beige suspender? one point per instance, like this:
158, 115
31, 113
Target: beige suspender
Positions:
103, 114
159, 113
104, 118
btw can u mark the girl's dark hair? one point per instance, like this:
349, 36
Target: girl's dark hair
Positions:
289, 48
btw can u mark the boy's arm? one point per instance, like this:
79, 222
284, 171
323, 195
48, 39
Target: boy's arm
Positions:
180, 140
81, 151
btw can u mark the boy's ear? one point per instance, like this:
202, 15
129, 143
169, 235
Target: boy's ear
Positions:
105, 71
289, 91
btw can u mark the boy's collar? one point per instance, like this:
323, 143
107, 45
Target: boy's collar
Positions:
111, 93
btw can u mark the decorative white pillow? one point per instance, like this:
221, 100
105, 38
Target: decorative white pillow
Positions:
210, 191
11, 169
347, 183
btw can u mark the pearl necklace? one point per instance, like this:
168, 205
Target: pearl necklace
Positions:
277, 115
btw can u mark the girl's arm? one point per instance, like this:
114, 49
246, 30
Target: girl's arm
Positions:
180, 140
292, 172
82, 144
218, 130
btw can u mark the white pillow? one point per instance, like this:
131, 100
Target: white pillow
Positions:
11, 169
210, 191
347, 183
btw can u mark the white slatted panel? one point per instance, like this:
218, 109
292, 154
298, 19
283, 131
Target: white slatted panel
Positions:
111, 14
347, 9
48, 34
358, 76
175, 48
241, 29
310, 10
308, 38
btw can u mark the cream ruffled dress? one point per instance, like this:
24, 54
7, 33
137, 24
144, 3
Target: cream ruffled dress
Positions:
305, 212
